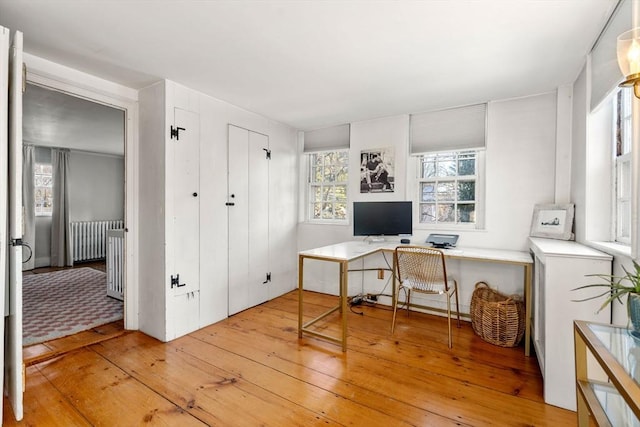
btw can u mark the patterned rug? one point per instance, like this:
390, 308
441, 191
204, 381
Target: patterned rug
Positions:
65, 302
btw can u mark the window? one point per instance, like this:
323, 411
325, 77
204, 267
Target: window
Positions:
622, 152
328, 174
43, 180
448, 187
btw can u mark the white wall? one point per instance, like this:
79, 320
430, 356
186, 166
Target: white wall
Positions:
520, 172
579, 154
96, 186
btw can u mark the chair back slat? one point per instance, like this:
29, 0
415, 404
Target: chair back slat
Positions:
423, 268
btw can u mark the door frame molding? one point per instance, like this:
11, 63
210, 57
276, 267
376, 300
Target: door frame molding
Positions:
76, 83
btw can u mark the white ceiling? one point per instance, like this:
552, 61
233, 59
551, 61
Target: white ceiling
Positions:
55, 119
312, 64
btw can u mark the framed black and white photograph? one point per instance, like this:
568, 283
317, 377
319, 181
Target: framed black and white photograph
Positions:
376, 170
553, 221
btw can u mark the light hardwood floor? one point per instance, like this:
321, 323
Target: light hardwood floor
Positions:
252, 369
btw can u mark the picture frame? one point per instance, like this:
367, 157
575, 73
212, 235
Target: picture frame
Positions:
377, 170
553, 221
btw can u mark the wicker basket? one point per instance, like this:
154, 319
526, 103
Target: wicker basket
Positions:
497, 318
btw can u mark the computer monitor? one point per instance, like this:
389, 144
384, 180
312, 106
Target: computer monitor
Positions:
382, 218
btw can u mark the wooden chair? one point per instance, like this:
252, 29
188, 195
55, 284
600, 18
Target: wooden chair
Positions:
423, 270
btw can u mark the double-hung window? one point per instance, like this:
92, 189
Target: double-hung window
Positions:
327, 185
43, 180
448, 186
622, 151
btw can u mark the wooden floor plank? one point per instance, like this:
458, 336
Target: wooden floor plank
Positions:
105, 395
520, 377
269, 352
214, 395
252, 370
412, 385
505, 379
416, 330
44, 404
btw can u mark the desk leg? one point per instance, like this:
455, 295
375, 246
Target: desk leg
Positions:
528, 268
344, 279
300, 289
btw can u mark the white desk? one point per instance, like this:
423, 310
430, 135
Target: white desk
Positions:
344, 253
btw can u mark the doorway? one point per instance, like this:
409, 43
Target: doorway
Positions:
91, 138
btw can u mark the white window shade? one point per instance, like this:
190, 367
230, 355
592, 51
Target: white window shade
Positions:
333, 138
605, 73
447, 130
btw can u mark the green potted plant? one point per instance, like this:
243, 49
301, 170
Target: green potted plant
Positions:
617, 287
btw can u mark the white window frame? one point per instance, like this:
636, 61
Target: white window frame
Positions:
479, 192
310, 199
622, 152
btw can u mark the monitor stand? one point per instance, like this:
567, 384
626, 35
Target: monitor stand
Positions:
376, 239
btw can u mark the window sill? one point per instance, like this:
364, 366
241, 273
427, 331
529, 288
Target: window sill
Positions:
611, 248
326, 222
447, 227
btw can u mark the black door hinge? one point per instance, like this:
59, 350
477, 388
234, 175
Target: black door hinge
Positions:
268, 152
268, 279
175, 281
176, 132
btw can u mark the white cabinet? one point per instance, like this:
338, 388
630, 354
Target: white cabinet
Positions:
217, 255
561, 266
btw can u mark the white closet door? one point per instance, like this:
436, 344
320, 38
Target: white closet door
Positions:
258, 219
185, 177
14, 383
183, 244
248, 218
238, 217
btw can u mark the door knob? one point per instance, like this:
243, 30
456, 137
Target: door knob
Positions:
195, 194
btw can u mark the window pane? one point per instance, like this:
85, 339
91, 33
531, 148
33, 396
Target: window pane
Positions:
340, 192
447, 166
315, 193
625, 179
343, 157
624, 219
446, 191
428, 167
327, 211
340, 210
466, 190
327, 193
428, 192
446, 212
329, 174
342, 174
467, 166
316, 174
428, 212
467, 213
316, 210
